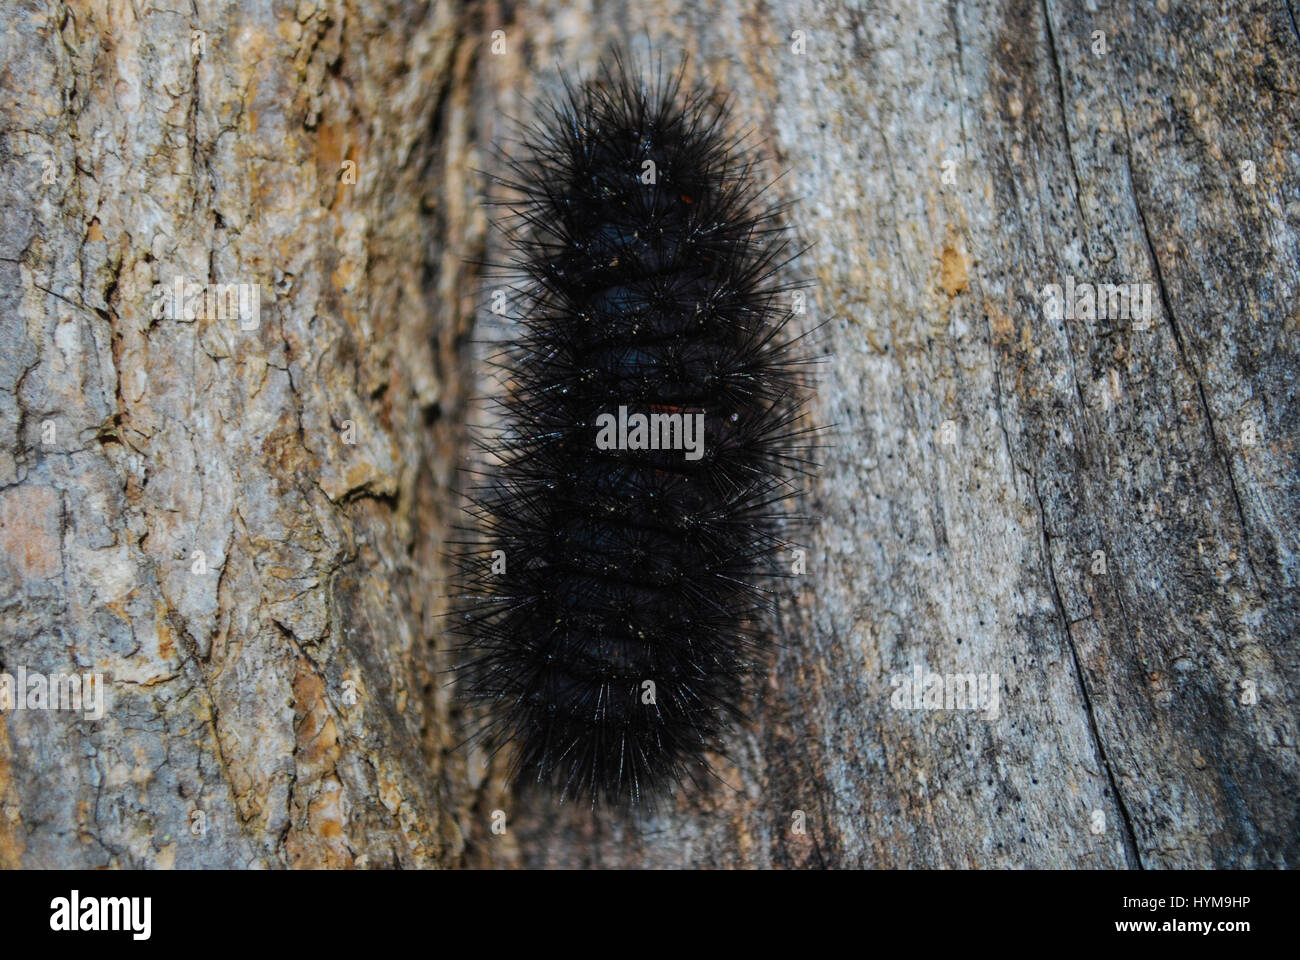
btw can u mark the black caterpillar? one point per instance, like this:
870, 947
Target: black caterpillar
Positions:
615, 633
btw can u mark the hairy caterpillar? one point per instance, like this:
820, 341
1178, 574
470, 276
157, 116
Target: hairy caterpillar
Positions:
654, 418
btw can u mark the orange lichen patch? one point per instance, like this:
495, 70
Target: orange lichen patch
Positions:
954, 267
326, 814
329, 150
390, 791
1003, 327
283, 448
317, 837
12, 843
359, 475
323, 843
29, 531
166, 645
317, 739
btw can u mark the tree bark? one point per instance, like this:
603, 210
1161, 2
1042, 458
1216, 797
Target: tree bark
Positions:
240, 525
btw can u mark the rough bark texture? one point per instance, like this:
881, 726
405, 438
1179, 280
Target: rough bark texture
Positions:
1101, 514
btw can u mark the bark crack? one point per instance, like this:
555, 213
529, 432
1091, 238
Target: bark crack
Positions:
959, 72
1130, 837
1065, 125
1167, 305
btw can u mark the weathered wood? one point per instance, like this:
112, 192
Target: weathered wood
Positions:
1099, 511
221, 158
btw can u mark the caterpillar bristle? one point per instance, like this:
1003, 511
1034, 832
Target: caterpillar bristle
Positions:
611, 596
